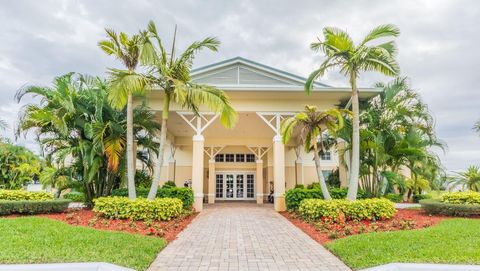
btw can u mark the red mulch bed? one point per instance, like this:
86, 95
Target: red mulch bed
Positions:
323, 232
165, 229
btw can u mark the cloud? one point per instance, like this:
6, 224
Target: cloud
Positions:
437, 47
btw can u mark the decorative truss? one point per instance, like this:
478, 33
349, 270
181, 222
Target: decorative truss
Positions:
213, 151
258, 151
274, 119
198, 122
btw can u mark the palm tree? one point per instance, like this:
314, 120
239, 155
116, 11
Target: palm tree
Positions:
351, 59
124, 84
309, 126
476, 127
469, 179
3, 124
82, 135
171, 75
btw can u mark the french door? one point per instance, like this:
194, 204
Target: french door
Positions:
235, 186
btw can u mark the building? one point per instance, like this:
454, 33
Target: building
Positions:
245, 162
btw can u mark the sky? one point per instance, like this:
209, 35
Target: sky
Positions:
438, 47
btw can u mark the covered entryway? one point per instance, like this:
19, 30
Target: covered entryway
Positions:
235, 186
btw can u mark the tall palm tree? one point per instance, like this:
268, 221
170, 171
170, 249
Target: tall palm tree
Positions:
351, 59
124, 84
171, 74
308, 126
469, 179
75, 122
476, 127
3, 124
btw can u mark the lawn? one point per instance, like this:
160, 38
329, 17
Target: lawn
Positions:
451, 241
42, 240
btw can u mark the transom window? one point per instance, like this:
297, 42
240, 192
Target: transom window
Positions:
235, 157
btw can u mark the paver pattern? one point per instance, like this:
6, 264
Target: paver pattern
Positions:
244, 236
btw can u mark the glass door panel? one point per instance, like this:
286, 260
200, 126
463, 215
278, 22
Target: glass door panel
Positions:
229, 186
219, 186
240, 186
250, 186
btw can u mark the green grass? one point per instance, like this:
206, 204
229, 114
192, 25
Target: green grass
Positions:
42, 240
451, 241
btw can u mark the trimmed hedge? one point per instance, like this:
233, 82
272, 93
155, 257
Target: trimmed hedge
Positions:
436, 207
8, 207
182, 193
333, 210
138, 209
418, 197
294, 197
75, 196
18, 195
468, 197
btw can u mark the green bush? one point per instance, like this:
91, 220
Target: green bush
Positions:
183, 193
299, 186
436, 207
143, 179
468, 197
138, 209
293, 197
394, 197
169, 184
17, 195
75, 196
418, 197
366, 209
8, 207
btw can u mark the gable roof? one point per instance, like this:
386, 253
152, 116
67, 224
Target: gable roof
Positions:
240, 72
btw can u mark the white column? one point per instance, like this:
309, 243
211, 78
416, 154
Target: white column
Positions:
197, 171
259, 180
211, 181
299, 171
279, 173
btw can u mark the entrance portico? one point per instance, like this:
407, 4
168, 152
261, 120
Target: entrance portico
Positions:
243, 163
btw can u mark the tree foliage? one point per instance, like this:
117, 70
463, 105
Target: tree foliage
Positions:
18, 166
82, 135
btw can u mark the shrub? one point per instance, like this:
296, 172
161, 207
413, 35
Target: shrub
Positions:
21, 195
8, 207
394, 197
138, 209
75, 196
169, 184
182, 193
468, 197
143, 179
367, 209
293, 197
436, 207
299, 186
419, 197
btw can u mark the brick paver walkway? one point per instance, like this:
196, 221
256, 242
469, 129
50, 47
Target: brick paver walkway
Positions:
244, 236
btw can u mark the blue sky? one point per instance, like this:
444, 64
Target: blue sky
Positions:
437, 47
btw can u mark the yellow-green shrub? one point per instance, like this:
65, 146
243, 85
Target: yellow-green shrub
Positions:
468, 197
366, 209
138, 209
20, 195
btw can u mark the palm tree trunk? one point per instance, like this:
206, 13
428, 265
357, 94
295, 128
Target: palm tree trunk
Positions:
355, 166
321, 179
130, 154
157, 172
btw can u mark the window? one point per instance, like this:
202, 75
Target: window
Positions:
326, 156
250, 186
326, 174
240, 157
250, 157
219, 158
229, 157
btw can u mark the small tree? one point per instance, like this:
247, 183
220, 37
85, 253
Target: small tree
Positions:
470, 179
309, 127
